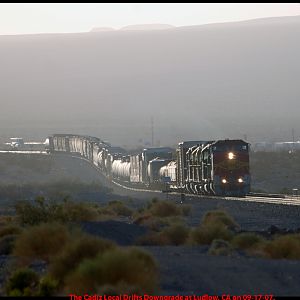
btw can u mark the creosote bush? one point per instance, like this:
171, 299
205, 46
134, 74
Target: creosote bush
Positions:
131, 267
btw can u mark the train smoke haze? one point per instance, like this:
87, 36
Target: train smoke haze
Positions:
198, 82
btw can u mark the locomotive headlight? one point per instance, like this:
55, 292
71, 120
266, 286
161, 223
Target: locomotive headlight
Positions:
240, 180
230, 155
224, 180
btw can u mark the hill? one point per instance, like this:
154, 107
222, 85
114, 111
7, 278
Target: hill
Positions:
198, 82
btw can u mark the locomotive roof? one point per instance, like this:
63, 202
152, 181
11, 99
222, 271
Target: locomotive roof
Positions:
230, 141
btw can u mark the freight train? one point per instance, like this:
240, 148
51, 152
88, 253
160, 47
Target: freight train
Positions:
200, 167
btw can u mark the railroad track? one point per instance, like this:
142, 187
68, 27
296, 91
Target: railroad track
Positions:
254, 197
267, 198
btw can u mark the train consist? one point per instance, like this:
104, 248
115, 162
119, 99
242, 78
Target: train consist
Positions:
199, 167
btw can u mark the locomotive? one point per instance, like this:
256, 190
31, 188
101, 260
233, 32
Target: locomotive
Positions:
200, 167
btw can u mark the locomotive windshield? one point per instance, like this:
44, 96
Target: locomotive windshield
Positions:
222, 148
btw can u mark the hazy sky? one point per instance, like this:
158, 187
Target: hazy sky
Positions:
19, 18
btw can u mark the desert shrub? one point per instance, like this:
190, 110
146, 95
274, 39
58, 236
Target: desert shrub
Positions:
219, 217
84, 246
220, 247
287, 246
132, 267
176, 234
47, 287
9, 230
42, 241
7, 243
205, 234
164, 208
152, 222
119, 208
28, 213
79, 212
22, 283
42, 211
246, 240
158, 214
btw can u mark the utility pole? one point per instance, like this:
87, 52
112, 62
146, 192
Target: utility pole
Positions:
293, 135
152, 132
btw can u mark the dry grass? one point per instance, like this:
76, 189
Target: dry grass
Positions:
131, 267
42, 241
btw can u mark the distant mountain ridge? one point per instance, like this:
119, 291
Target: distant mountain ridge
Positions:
98, 29
136, 27
148, 27
198, 82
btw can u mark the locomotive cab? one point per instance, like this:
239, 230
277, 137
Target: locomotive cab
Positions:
230, 167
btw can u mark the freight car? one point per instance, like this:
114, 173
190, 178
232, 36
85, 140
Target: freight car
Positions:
199, 167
